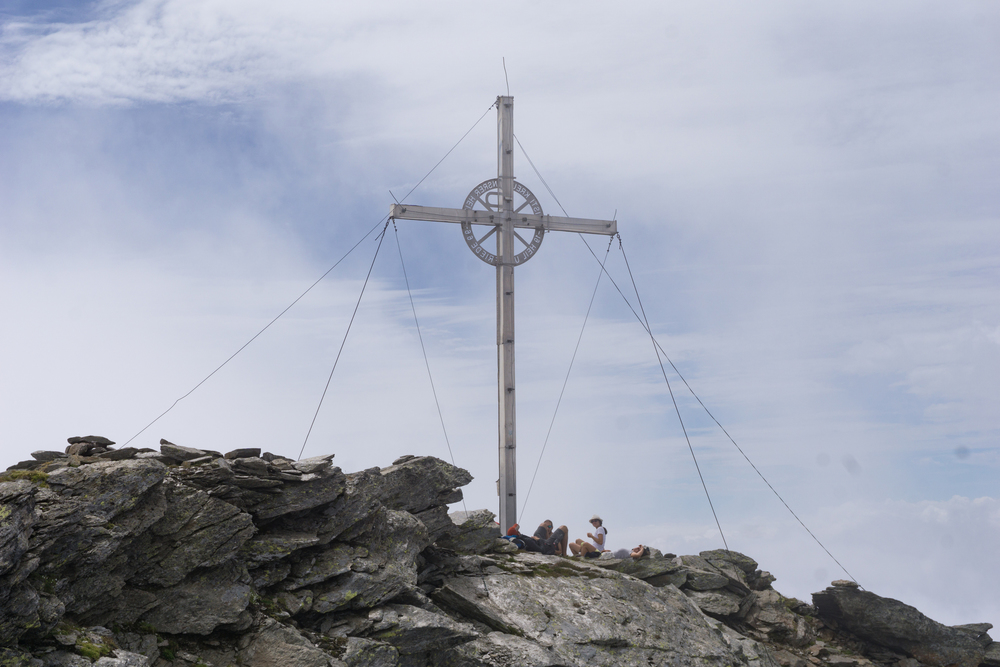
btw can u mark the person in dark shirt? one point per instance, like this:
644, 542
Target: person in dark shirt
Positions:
552, 542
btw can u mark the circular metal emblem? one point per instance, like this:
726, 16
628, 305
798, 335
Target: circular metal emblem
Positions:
487, 196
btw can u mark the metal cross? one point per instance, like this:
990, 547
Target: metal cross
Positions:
503, 217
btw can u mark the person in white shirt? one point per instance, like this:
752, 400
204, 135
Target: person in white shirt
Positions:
598, 543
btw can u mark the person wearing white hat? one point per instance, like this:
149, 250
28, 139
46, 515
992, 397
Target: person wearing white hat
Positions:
599, 541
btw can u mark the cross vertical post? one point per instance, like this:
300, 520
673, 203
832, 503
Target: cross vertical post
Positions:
505, 318
503, 216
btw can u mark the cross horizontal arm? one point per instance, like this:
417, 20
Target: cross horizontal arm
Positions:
551, 223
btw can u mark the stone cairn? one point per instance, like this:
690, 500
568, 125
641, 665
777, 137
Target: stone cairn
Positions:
185, 557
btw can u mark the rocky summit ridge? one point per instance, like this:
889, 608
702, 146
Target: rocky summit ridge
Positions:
192, 558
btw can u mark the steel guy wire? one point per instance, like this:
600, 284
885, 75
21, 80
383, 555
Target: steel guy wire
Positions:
719, 424
344, 342
673, 398
252, 339
318, 280
565, 382
656, 343
423, 349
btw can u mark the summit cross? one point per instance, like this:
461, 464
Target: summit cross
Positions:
503, 216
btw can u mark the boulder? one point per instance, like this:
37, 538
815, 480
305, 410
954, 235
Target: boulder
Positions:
770, 616
422, 482
195, 531
649, 568
17, 516
392, 539
716, 602
45, 456
120, 658
108, 488
275, 645
412, 630
589, 616
323, 565
243, 453
895, 625
702, 580
314, 464
178, 453
992, 655
472, 532
202, 602
360, 652
320, 490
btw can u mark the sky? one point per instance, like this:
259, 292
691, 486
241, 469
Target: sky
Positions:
806, 197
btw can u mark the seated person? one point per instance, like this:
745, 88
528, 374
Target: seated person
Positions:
552, 542
599, 537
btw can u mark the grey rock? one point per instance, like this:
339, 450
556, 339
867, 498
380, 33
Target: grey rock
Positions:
275, 645
191, 463
178, 453
243, 453
723, 559
474, 532
369, 653
109, 487
91, 439
760, 580
295, 602
715, 602
499, 649
992, 655
122, 658
437, 522
118, 454
20, 612
313, 464
17, 658
254, 482
701, 580
421, 483
271, 546
767, 613
786, 659
45, 456
195, 531
143, 644
413, 630
978, 630
895, 625
590, 616
360, 500
306, 495
393, 540
324, 565
17, 516
26, 465
270, 574
254, 466
203, 601
65, 659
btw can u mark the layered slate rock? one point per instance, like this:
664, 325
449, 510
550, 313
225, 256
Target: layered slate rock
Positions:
895, 625
583, 614
196, 558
